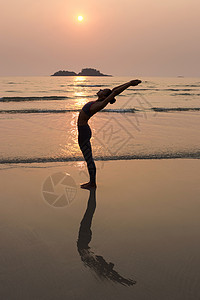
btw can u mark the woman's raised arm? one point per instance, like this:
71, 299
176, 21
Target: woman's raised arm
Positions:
119, 89
116, 91
98, 105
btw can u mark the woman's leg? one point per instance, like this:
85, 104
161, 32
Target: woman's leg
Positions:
87, 153
85, 146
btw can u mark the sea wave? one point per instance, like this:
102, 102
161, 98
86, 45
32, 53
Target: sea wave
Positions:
166, 109
19, 99
87, 85
189, 85
36, 111
44, 98
32, 111
122, 111
169, 89
185, 94
12, 82
173, 155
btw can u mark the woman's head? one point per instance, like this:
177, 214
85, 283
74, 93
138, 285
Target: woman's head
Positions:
103, 94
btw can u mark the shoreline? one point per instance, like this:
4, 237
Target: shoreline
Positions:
179, 156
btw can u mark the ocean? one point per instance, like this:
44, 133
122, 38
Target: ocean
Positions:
134, 237
158, 119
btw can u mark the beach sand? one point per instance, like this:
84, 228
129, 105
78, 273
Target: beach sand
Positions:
146, 223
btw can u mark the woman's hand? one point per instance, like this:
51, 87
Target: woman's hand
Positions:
135, 82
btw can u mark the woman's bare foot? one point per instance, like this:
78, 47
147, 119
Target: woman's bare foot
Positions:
88, 185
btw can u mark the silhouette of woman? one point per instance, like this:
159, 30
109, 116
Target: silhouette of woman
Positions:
96, 262
84, 132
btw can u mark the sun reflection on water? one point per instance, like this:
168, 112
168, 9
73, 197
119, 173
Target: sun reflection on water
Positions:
70, 146
79, 100
78, 79
79, 94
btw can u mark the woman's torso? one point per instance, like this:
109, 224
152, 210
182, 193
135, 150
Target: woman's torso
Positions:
85, 113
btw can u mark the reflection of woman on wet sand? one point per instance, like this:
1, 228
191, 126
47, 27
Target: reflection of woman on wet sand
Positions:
84, 132
97, 263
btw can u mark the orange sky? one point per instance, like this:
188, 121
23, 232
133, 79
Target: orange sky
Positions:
121, 37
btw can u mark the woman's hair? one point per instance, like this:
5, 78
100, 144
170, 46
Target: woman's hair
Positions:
107, 92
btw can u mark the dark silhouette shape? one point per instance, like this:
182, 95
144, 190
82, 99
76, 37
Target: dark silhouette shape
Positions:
97, 263
64, 73
105, 96
91, 72
84, 72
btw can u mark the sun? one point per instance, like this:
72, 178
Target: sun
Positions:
80, 18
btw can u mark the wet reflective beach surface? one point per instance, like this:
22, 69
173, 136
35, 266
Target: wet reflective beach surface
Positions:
135, 237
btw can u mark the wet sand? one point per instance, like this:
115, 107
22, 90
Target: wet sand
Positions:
138, 238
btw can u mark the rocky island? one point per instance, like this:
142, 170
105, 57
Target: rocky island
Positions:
84, 72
